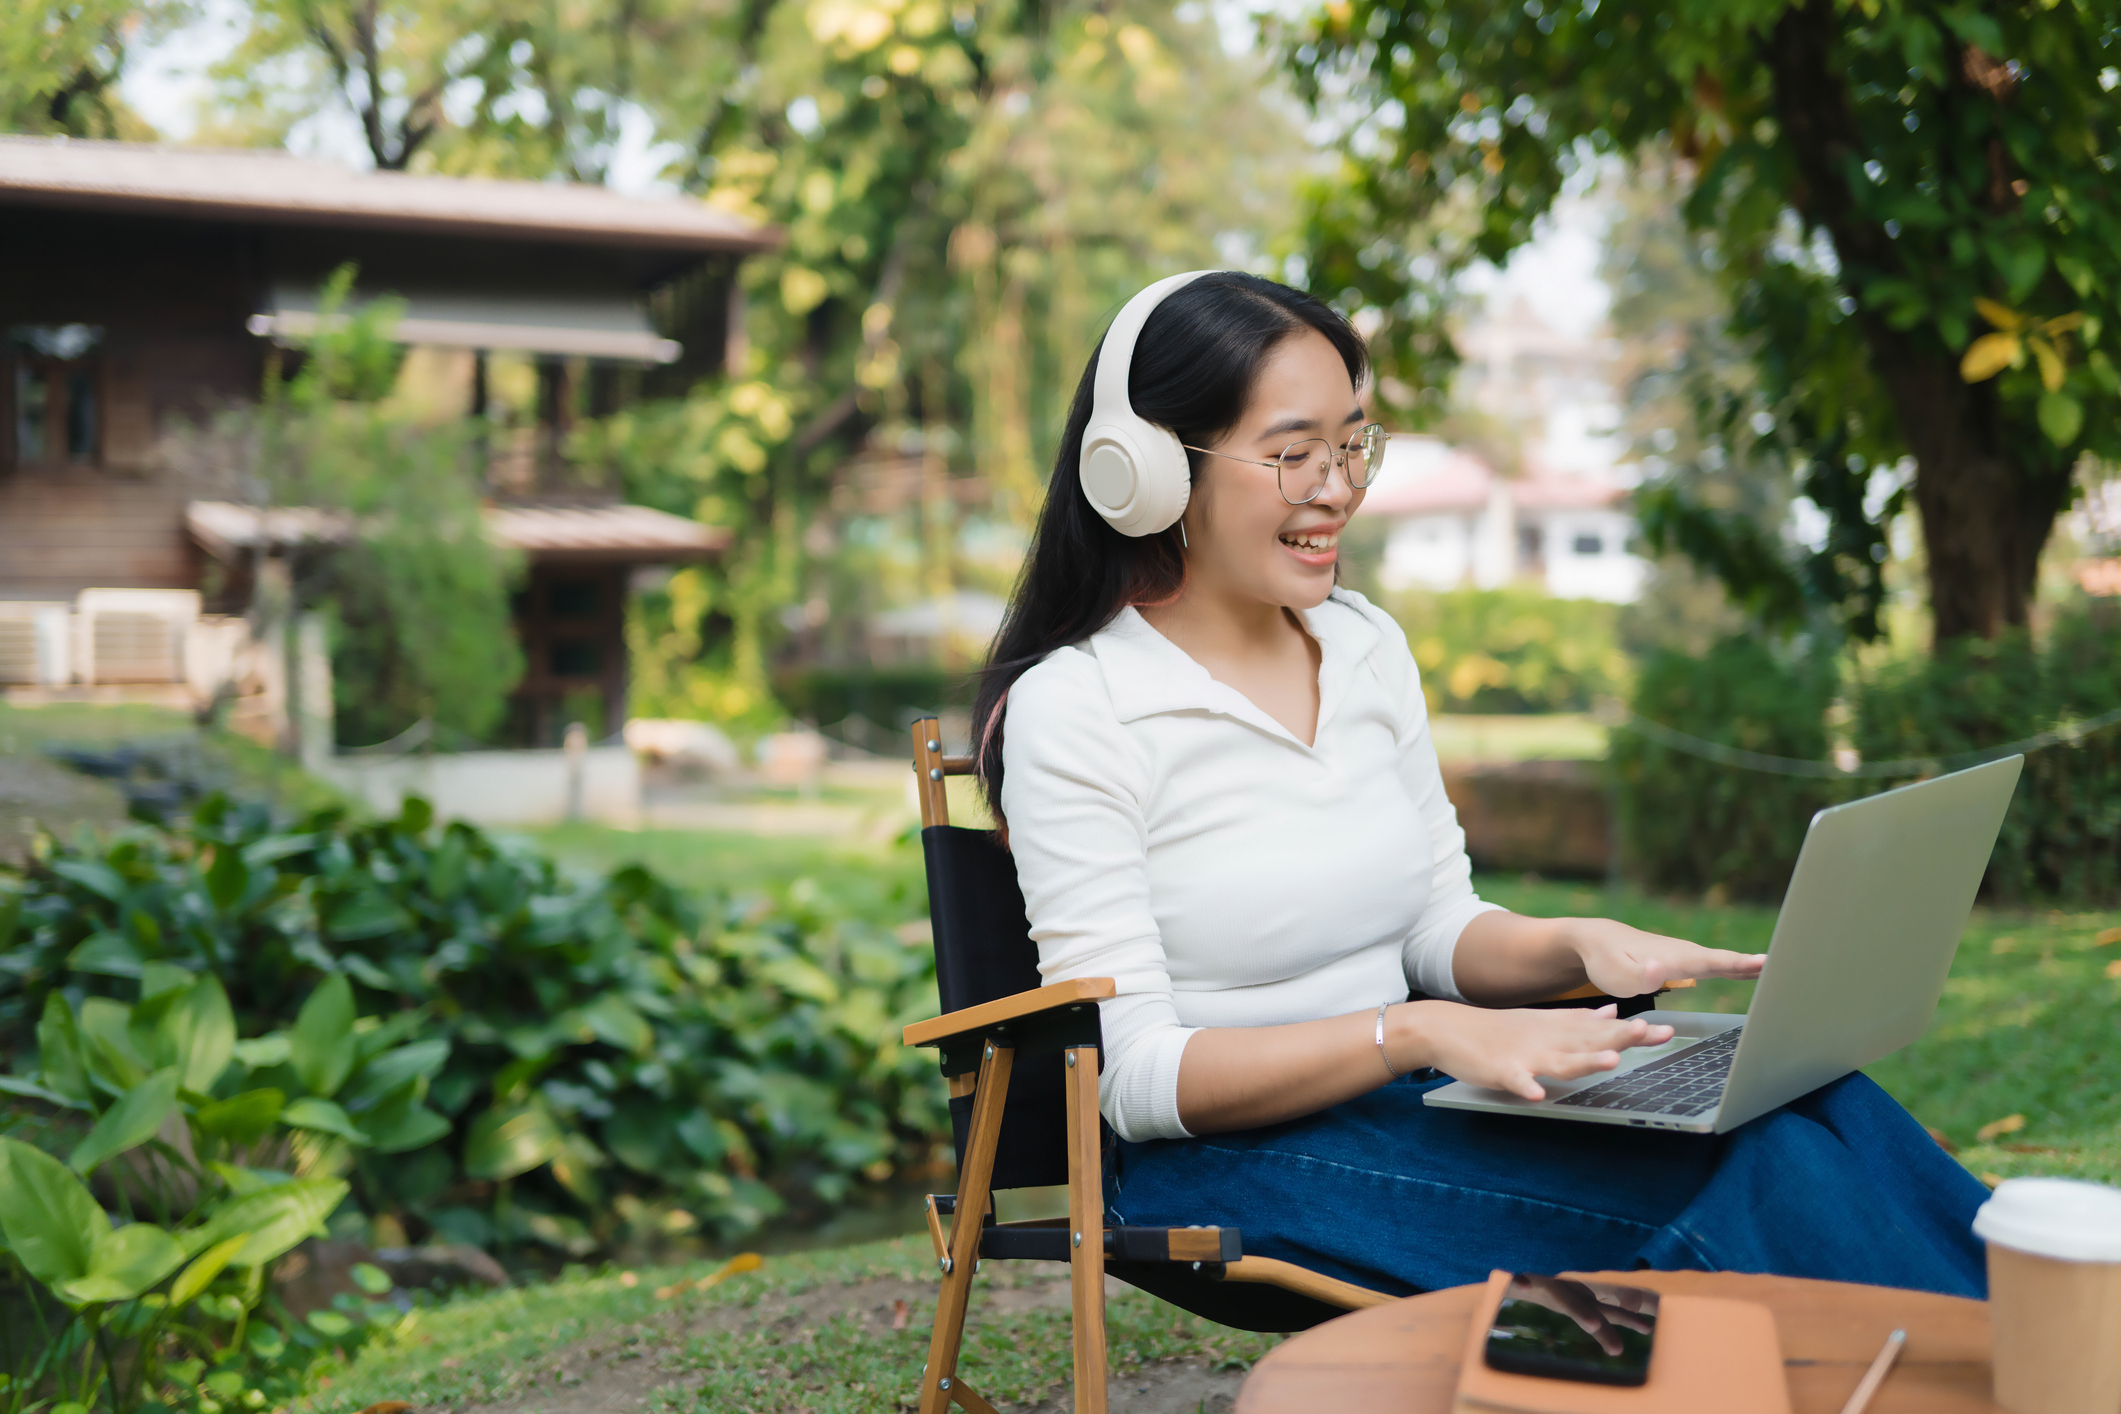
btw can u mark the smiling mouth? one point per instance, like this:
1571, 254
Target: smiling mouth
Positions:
1312, 542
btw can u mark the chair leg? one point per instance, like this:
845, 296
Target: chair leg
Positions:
940, 1374
1086, 1225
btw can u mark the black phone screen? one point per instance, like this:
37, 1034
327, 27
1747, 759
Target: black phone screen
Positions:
1574, 1330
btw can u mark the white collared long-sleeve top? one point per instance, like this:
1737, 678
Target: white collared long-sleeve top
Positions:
1172, 836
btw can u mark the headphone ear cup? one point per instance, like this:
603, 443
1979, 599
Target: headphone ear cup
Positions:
1135, 476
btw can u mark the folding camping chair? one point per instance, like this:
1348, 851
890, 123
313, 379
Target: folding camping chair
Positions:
1021, 1062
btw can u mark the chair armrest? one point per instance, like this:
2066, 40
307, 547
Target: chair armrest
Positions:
1038, 999
1589, 990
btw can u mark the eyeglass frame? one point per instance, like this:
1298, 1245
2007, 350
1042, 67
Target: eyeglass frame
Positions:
1338, 454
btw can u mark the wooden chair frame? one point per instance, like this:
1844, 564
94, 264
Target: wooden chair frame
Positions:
1063, 1015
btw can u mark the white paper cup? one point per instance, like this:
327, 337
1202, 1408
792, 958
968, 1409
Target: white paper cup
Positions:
2054, 1295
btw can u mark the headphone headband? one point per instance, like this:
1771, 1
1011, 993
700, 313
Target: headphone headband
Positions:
1134, 472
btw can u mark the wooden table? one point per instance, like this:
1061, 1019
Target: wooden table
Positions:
1402, 1358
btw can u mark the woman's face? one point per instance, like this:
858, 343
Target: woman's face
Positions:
1242, 537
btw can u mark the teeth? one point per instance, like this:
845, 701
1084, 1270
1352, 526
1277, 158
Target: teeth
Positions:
1311, 542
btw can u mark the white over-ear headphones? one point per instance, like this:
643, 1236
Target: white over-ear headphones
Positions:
1134, 472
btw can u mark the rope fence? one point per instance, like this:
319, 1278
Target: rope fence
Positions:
2067, 733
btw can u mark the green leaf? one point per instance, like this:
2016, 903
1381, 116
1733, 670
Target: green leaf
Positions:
159, 977
125, 1263
329, 1324
191, 1028
506, 1142
365, 915
321, 1045
31, 1090
129, 1123
371, 1278
271, 1220
612, 1020
421, 1060
244, 1118
204, 1268
228, 879
265, 1051
309, 1112
105, 1030
47, 1215
91, 874
10, 914
2061, 418
63, 1062
401, 1123
108, 952
415, 815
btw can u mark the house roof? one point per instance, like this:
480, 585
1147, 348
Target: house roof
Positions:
636, 533
1425, 476
601, 534
279, 188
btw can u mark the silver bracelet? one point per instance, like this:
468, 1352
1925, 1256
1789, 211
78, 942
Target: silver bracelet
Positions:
1381, 1055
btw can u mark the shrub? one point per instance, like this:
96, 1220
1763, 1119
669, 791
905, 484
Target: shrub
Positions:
1512, 650
139, 1260
611, 1056
2062, 837
1692, 824
890, 697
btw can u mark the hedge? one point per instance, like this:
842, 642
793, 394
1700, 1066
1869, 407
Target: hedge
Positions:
1691, 824
621, 1059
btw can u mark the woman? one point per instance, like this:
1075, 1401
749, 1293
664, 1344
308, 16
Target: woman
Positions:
1216, 775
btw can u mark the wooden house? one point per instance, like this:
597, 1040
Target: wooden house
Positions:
147, 285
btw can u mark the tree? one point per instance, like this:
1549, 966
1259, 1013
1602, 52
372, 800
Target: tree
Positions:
1912, 204
967, 197
60, 61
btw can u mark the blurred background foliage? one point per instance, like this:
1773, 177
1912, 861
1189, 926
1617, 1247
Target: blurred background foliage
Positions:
604, 1060
1513, 650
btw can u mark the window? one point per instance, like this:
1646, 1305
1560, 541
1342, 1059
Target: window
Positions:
573, 599
1588, 545
57, 413
576, 660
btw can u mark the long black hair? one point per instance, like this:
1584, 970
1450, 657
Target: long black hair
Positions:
1194, 366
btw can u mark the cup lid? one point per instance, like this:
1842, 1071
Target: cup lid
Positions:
2063, 1218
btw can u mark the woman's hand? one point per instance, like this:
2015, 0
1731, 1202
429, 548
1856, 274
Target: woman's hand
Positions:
1509, 1050
1626, 962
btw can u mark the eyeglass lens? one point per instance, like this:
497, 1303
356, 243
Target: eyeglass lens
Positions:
1305, 465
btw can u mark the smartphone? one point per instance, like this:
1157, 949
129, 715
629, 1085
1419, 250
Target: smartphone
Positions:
1594, 1331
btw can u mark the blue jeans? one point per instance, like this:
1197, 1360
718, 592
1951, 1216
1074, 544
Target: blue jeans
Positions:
1395, 1195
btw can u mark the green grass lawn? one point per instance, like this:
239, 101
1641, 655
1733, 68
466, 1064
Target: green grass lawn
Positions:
841, 1332
2024, 1047
1465, 736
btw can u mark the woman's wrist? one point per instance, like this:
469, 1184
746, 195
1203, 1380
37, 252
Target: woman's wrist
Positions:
1410, 1033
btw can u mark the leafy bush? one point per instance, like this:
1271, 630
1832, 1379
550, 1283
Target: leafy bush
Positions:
889, 697
1512, 650
1692, 824
609, 1057
2062, 837
153, 1238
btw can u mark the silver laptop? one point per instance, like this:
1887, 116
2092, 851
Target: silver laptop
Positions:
1880, 895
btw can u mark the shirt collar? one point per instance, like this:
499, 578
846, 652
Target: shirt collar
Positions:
1146, 673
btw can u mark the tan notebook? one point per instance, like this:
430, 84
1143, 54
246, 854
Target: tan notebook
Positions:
1708, 1353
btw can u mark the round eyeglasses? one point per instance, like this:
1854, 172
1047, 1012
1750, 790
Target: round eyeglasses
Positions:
1303, 468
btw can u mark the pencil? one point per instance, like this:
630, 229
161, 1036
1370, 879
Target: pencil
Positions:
1860, 1399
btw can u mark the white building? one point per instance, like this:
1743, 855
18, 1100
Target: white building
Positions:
1455, 522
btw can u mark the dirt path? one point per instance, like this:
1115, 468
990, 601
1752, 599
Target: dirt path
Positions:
617, 1372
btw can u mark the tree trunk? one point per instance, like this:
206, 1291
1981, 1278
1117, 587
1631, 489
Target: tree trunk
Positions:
1987, 499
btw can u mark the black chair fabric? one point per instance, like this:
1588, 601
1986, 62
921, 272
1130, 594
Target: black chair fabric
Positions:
983, 951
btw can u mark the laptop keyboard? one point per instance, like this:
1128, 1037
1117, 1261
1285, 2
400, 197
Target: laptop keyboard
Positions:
1685, 1083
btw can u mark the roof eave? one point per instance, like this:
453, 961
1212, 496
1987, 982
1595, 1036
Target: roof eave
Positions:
198, 209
